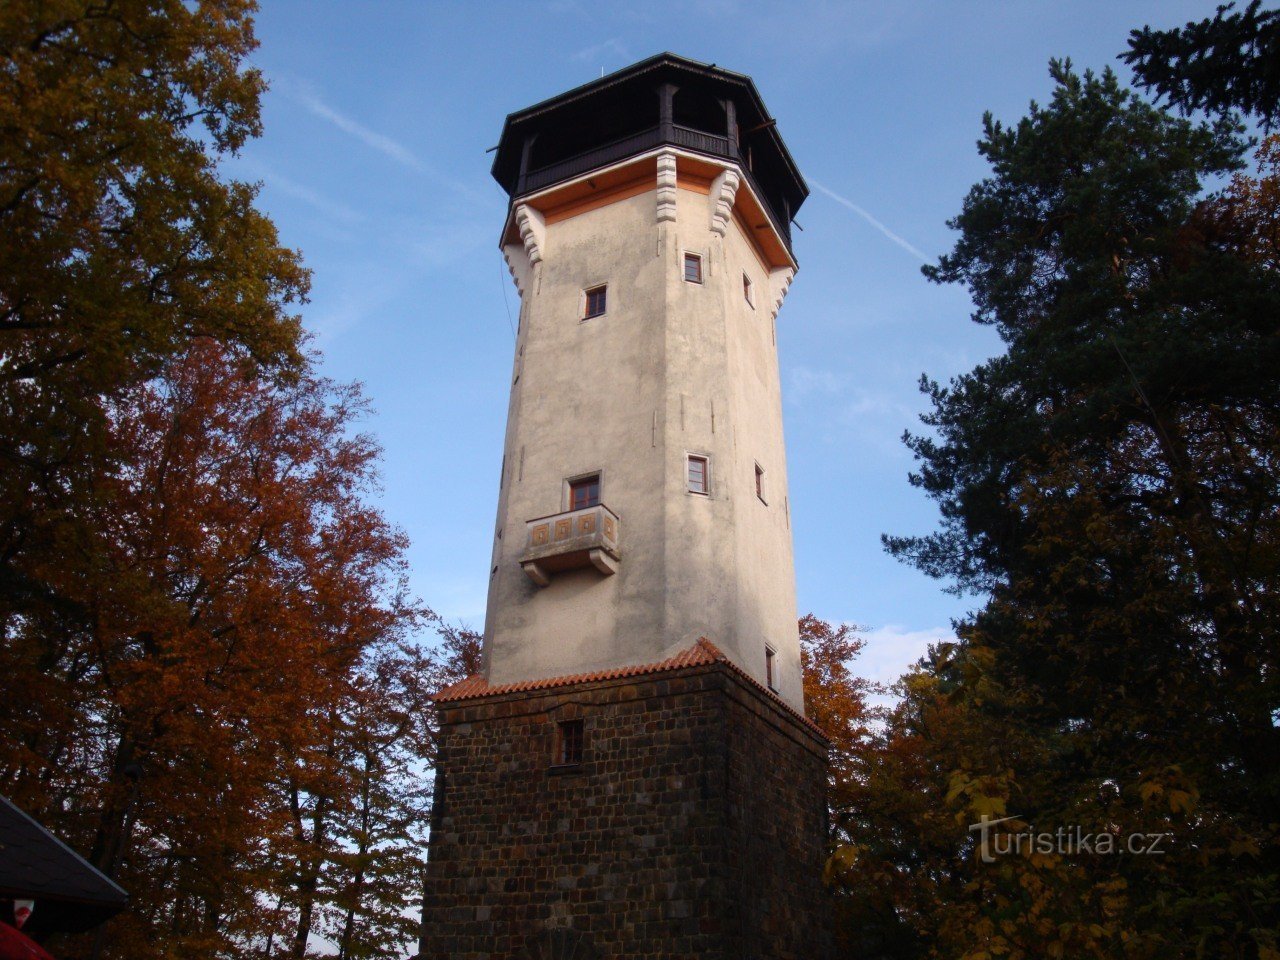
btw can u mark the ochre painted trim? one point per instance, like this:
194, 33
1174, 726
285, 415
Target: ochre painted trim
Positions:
601, 198
690, 181
770, 246
752, 241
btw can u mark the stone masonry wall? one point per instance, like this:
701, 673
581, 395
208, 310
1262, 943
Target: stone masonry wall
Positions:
694, 827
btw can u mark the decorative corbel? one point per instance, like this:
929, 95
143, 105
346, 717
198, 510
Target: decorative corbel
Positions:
666, 187
523, 256
723, 189
518, 265
533, 231
779, 283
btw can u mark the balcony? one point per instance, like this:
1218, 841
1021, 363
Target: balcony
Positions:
571, 541
662, 101
698, 141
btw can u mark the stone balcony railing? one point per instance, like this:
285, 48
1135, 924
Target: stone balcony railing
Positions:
570, 541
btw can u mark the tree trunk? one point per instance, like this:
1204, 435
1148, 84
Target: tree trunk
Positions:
357, 882
309, 868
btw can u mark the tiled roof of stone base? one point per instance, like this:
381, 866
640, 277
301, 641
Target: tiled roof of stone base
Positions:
702, 653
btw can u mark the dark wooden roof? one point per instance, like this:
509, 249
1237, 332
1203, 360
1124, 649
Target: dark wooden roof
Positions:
70, 893
606, 120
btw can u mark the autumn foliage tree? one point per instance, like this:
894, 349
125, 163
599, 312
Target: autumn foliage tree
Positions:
206, 633
121, 243
836, 699
248, 619
359, 803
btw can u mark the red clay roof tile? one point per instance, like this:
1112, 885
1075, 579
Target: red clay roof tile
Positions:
703, 652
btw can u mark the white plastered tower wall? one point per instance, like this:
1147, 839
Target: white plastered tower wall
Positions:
672, 369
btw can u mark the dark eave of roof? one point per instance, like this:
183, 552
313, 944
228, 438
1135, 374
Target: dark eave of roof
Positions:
660, 61
37, 865
626, 73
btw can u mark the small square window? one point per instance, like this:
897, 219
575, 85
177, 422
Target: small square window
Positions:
698, 479
769, 669
594, 302
584, 492
746, 291
569, 741
760, 483
693, 268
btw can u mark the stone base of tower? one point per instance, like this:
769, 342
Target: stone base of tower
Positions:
693, 826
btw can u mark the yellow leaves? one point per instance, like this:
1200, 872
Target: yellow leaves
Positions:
984, 796
1170, 788
987, 806
1030, 882
840, 864
1042, 861
1244, 845
1112, 897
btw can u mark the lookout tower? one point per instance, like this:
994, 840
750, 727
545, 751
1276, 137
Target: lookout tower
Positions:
632, 773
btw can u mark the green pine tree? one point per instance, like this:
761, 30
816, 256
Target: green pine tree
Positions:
1109, 484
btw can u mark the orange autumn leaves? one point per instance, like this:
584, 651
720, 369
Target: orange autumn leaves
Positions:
239, 636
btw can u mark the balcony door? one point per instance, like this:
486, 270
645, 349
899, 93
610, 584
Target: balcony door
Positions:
584, 492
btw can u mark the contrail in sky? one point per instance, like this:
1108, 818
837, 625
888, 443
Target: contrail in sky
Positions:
302, 92
384, 144
844, 202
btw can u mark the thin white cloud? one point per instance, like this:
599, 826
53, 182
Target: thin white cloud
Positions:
371, 138
300, 191
346, 299
302, 93
893, 649
889, 653
443, 244
611, 49
845, 202
880, 405
804, 383
854, 412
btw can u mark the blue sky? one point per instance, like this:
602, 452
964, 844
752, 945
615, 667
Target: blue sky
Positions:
373, 163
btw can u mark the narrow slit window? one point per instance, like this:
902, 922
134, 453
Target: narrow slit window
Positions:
693, 268
760, 483
698, 479
595, 302
770, 675
569, 742
746, 291
584, 492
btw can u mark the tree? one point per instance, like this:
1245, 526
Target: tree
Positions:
359, 807
1108, 483
836, 700
119, 244
212, 681
244, 587
1228, 62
